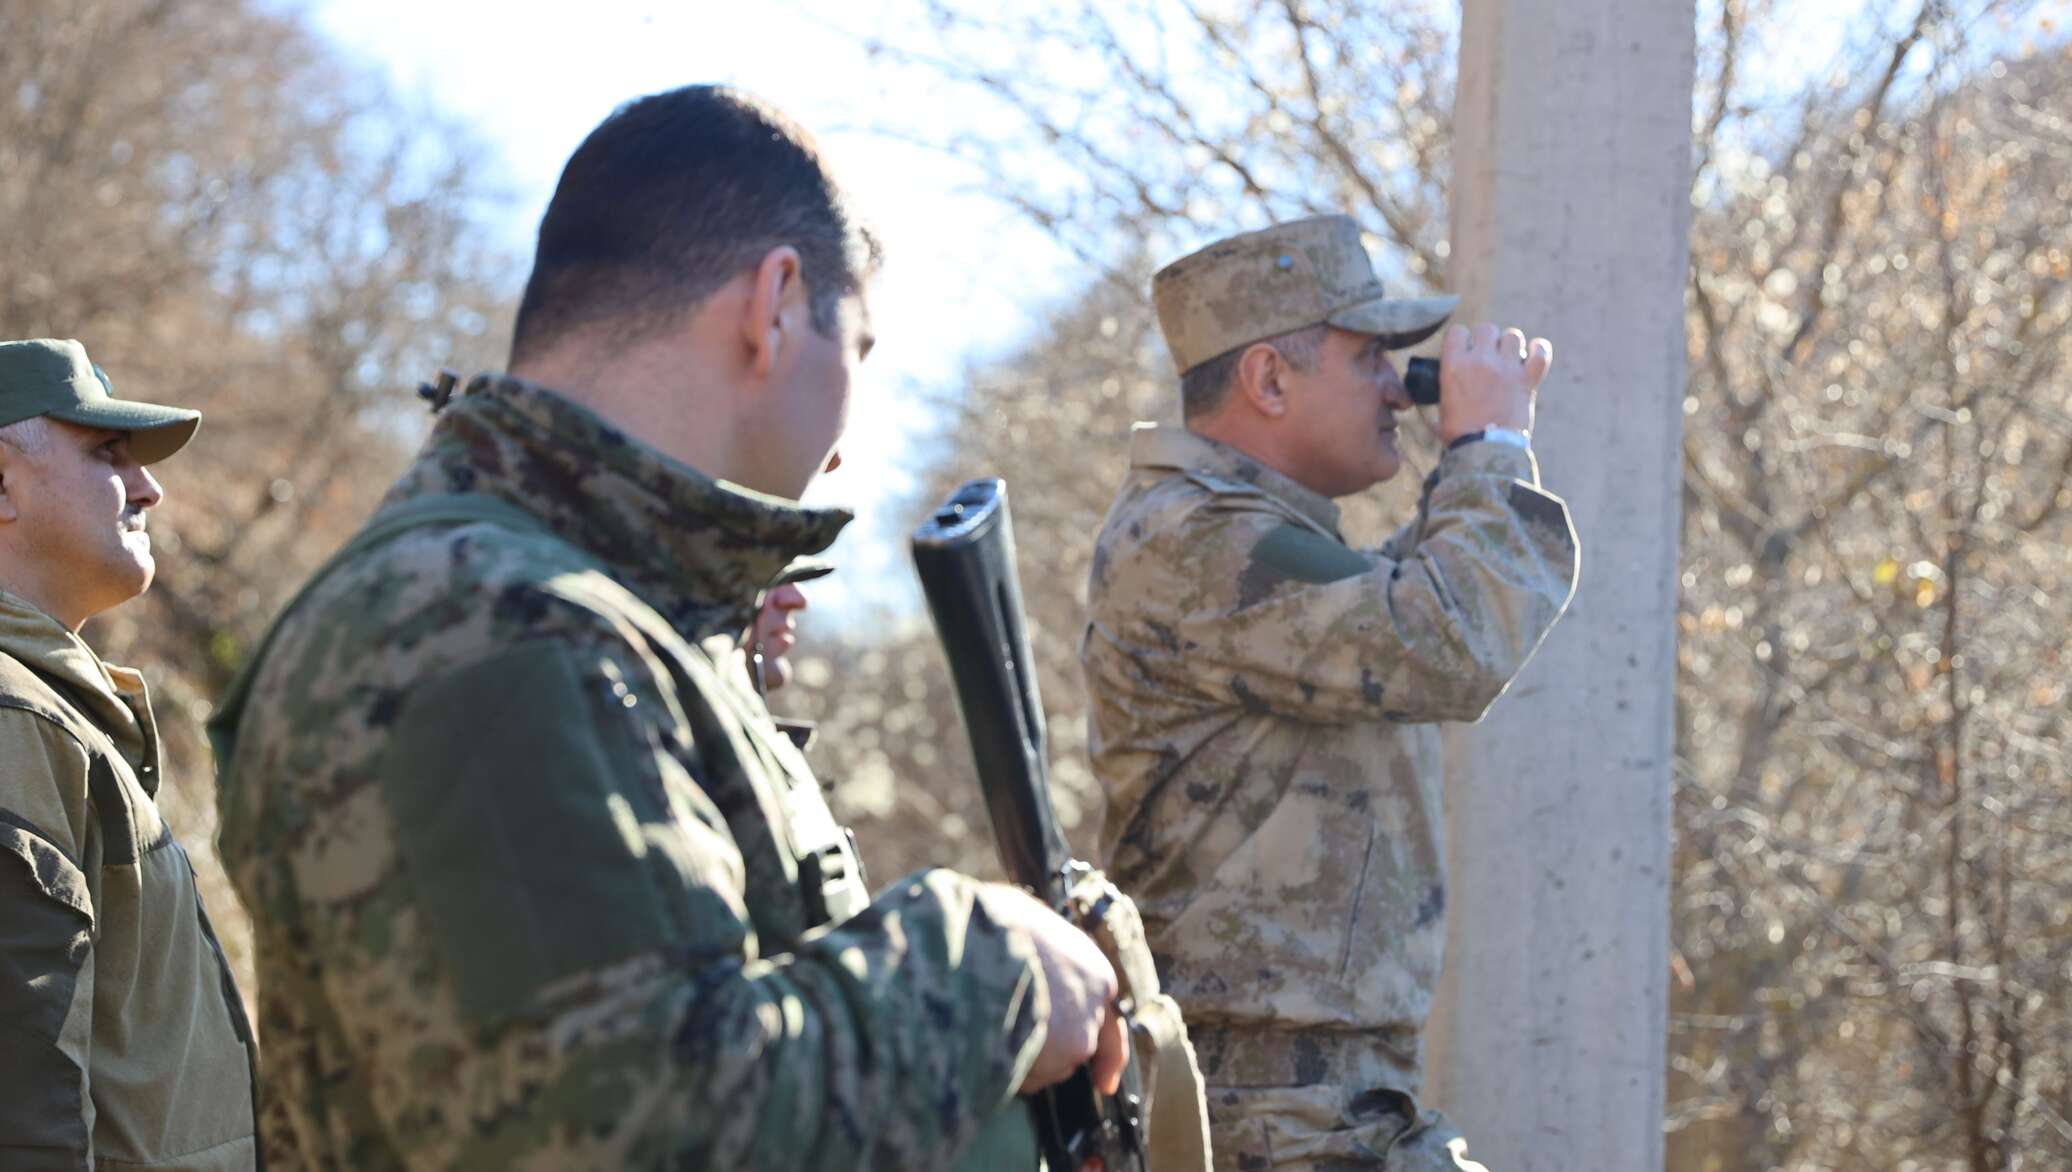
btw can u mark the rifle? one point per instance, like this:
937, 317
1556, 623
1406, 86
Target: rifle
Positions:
964, 554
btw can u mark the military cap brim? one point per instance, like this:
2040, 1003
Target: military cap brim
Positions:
54, 377
1402, 323
155, 432
802, 570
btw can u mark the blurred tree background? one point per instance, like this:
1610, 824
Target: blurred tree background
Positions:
233, 219
1872, 898
1872, 935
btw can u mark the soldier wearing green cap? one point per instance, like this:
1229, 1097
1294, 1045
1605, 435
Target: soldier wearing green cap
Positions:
125, 1041
1266, 697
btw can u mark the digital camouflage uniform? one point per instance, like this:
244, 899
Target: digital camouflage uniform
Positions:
536, 883
1265, 703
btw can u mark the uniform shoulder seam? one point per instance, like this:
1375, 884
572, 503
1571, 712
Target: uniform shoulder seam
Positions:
1221, 484
16, 677
12, 704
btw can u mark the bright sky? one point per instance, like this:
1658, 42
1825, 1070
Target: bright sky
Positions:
964, 275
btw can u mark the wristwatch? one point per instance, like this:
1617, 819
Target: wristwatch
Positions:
1522, 440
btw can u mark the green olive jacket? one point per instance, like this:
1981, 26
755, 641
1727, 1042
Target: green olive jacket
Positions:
123, 1042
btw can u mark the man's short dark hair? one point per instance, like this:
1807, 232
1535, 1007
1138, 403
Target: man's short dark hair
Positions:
670, 198
1204, 387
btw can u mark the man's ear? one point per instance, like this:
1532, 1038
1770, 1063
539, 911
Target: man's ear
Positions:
1258, 375
774, 300
10, 509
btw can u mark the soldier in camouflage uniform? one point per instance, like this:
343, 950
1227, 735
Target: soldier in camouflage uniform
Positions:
1266, 698
536, 883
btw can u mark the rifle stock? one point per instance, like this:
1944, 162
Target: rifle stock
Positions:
964, 554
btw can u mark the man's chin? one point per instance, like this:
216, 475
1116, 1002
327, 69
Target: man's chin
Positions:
1388, 460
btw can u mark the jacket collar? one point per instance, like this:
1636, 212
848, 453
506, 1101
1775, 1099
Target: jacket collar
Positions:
1157, 447
697, 549
113, 699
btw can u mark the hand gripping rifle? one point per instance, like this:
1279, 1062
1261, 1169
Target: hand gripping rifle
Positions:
965, 556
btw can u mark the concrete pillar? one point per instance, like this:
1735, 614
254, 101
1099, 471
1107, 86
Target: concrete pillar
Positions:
1571, 214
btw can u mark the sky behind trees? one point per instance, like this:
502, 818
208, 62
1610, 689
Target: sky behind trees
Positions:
969, 275
965, 274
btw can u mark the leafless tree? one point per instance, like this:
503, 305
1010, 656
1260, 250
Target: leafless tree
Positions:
1872, 955
233, 219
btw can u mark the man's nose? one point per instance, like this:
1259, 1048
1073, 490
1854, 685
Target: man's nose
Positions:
144, 490
788, 597
1393, 392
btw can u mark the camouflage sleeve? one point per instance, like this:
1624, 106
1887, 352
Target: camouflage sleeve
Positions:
1398, 545
538, 942
46, 954
1431, 627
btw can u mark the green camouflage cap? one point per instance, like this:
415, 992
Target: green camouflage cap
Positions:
49, 376
1287, 277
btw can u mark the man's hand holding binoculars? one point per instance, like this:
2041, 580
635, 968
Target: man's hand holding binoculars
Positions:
1489, 379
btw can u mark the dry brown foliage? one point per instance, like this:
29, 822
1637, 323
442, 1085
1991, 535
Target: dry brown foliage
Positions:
232, 219
1873, 893
1873, 964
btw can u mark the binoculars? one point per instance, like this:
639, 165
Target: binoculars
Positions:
1421, 379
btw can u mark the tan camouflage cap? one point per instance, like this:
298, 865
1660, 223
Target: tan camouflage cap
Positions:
1287, 277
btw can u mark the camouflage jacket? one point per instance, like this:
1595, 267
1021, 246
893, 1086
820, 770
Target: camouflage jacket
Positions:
535, 882
1264, 701
123, 1042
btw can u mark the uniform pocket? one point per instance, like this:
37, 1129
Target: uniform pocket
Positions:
46, 925
46, 868
1283, 903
